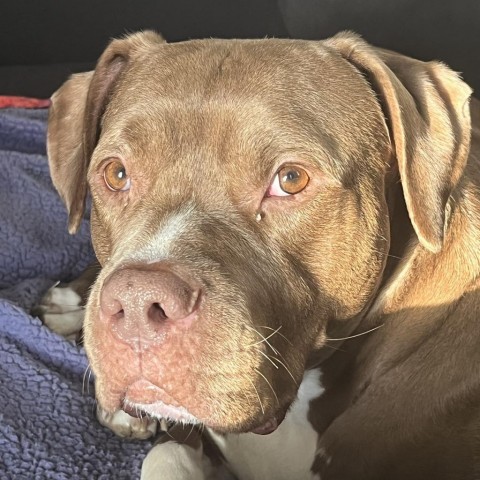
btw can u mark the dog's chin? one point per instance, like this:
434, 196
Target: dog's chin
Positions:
170, 413
144, 398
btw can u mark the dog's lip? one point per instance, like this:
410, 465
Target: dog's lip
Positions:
271, 424
144, 397
160, 411
266, 428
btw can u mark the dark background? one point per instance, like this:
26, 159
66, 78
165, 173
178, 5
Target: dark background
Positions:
43, 41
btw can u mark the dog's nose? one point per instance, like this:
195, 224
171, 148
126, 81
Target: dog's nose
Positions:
140, 305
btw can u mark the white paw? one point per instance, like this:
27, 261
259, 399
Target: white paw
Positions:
124, 425
175, 461
61, 310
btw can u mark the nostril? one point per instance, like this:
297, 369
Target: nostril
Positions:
111, 306
156, 313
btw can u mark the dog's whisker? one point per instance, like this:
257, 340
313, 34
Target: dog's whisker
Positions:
94, 406
281, 334
355, 336
191, 431
386, 254
286, 368
382, 237
262, 341
89, 379
269, 384
273, 333
265, 339
396, 257
168, 433
87, 370
258, 396
278, 354
268, 358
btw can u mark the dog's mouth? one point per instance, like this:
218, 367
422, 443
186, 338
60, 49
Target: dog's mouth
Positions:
163, 411
160, 411
143, 397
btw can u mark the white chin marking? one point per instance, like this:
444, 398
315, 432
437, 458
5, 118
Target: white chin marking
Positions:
163, 411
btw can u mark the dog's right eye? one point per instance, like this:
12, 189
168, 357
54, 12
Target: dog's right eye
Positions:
115, 176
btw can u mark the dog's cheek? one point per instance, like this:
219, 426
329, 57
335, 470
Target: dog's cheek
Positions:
351, 242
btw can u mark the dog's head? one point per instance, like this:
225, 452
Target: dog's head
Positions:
239, 207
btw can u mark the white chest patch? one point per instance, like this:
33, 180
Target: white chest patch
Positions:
287, 453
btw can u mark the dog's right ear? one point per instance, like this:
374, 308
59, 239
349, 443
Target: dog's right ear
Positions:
74, 122
65, 145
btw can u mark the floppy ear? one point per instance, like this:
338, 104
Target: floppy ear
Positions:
65, 145
427, 111
74, 122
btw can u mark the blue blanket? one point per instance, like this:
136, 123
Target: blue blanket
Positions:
48, 428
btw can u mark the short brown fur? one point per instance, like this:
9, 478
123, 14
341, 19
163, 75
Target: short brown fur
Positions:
394, 167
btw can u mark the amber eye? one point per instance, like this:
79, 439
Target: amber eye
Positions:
116, 177
288, 181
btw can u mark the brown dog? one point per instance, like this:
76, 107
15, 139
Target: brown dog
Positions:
258, 206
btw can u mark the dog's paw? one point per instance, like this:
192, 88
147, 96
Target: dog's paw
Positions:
61, 310
124, 425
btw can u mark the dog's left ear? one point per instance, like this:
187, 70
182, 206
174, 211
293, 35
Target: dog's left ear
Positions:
426, 106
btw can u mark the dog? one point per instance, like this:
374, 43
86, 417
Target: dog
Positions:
289, 240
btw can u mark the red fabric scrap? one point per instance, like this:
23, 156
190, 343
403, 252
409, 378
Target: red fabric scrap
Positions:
22, 102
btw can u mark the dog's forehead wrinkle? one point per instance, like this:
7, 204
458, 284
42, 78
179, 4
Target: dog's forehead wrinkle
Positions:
211, 155
254, 69
217, 104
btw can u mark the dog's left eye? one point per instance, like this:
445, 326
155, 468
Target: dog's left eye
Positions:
289, 180
115, 176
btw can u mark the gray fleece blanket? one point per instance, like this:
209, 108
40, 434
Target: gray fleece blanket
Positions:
48, 428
